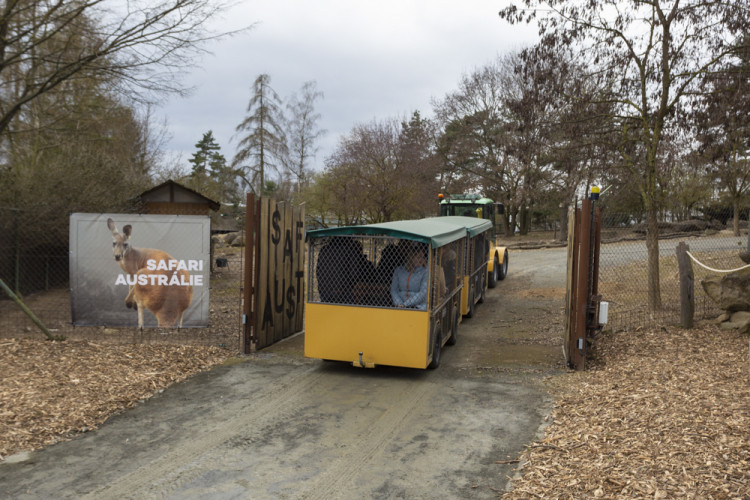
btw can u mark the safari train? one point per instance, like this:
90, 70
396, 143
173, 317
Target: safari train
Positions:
393, 293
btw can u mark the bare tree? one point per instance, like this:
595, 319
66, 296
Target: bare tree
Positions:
418, 147
494, 128
474, 135
303, 132
380, 171
369, 155
651, 53
553, 94
723, 124
100, 144
264, 145
142, 46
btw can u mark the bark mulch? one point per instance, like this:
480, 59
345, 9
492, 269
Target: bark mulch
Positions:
663, 413
49, 391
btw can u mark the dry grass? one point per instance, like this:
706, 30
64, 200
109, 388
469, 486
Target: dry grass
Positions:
52, 390
624, 287
663, 413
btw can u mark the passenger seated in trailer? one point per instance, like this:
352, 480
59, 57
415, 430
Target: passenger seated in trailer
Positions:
341, 264
390, 259
411, 281
374, 286
446, 274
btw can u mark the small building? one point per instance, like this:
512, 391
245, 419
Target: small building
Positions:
171, 198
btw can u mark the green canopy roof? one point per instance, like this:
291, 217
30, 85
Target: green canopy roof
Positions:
473, 225
436, 231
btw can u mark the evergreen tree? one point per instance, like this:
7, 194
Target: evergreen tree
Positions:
264, 143
206, 154
211, 176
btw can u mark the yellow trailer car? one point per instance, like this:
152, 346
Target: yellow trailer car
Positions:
387, 294
477, 255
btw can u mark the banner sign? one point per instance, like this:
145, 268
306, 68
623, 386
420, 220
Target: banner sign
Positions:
141, 271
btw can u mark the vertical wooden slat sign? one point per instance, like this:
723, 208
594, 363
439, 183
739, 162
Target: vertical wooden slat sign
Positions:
274, 296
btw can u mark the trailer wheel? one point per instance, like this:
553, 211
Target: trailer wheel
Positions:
436, 348
454, 329
494, 275
504, 268
472, 305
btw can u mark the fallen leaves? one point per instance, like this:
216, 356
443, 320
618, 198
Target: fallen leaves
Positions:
51, 390
662, 413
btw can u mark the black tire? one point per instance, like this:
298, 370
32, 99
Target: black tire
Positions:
454, 330
483, 294
472, 305
492, 277
504, 267
436, 349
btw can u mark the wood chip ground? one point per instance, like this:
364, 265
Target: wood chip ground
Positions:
49, 391
662, 413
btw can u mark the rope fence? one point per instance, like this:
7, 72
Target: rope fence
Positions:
624, 274
716, 270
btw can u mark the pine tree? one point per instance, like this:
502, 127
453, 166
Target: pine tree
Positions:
211, 176
264, 145
207, 150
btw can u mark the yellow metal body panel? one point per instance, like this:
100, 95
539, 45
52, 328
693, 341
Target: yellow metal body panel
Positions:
394, 337
500, 256
465, 296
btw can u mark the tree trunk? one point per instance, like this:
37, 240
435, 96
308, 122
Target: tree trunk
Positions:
563, 236
652, 246
525, 224
736, 216
510, 230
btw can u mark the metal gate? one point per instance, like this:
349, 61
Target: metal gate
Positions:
273, 296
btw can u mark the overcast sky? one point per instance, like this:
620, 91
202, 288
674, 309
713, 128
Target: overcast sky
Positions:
373, 60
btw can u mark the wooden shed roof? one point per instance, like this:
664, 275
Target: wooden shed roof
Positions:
173, 192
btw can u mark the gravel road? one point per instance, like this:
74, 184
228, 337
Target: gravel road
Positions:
277, 425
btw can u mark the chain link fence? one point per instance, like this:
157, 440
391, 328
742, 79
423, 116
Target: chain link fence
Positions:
366, 270
34, 264
623, 269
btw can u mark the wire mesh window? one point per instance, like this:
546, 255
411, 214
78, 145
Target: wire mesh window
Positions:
481, 248
448, 272
374, 271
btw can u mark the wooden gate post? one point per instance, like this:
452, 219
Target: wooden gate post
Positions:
582, 299
687, 297
249, 310
570, 317
578, 339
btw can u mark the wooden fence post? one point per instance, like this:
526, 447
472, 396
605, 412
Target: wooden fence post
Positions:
687, 297
568, 345
250, 276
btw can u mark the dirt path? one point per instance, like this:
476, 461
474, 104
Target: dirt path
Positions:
277, 425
